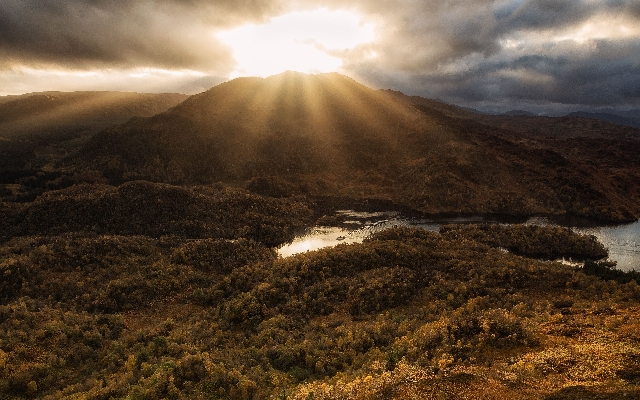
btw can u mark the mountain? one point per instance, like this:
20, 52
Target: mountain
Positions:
39, 128
627, 119
327, 135
290, 124
35, 111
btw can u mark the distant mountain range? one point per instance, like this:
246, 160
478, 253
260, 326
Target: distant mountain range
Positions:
523, 113
627, 118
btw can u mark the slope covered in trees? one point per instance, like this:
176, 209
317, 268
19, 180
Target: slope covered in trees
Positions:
407, 313
327, 135
156, 210
37, 129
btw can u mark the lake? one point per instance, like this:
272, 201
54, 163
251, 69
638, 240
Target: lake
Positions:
623, 241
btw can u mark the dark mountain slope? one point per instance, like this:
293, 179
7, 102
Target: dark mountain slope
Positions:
39, 128
626, 119
578, 161
327, 135
559, 127
287, 124
32, 113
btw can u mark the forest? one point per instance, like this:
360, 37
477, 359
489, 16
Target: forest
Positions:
125, 304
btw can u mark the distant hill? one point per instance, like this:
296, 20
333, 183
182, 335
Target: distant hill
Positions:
38, 128
540, 127
519, 112
34, 112
627, 119
327, 135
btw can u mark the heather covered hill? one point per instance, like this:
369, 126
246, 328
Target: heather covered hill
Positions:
500, 170
327, 135
286, 125
156, 210
39, 128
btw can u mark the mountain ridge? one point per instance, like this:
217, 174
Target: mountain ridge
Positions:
326, 134
37, 129
631, 119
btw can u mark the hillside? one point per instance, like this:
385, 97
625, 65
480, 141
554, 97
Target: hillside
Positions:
38, 128
327, 135
285, 126
31, 113
629, 118
407, 314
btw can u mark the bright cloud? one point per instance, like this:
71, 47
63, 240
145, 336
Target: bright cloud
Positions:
307, 41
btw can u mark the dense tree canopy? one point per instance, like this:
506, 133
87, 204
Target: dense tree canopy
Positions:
408, 311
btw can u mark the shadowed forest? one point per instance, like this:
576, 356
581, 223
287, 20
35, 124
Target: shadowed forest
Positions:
138, 248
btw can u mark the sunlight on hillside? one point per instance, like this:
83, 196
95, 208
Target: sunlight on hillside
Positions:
138, 79
307, 41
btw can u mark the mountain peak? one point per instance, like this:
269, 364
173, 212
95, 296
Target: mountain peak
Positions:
327, 134
290, 123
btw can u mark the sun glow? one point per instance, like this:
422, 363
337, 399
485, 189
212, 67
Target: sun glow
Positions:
305, 41
25, 80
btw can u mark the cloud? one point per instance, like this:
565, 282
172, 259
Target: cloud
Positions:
510, 52
471, 52
120, 34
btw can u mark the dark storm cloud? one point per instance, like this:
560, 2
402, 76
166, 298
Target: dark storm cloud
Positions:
508, 52
119, 33
611, 77
539, 14
457, 28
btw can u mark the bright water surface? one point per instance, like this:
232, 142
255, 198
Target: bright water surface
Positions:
623, 241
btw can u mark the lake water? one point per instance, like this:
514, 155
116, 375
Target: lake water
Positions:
623, 241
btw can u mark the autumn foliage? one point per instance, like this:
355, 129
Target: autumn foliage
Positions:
406, 313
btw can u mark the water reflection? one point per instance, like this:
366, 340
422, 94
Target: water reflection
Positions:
317, 238
623, 241
358, 225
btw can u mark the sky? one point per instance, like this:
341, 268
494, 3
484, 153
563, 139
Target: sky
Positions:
536, 55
